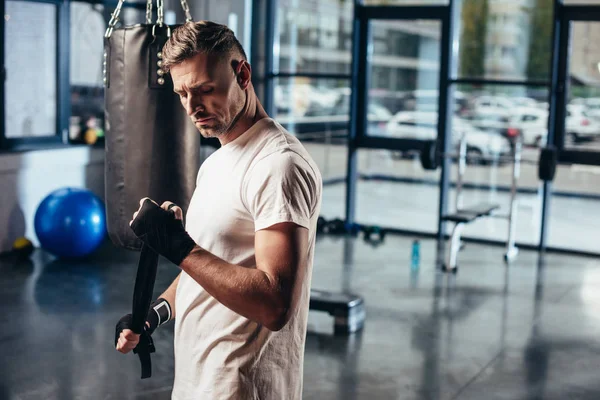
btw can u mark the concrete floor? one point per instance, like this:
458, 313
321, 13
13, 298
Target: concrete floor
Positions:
531, 331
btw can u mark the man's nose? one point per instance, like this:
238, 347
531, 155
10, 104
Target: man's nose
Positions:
193, 105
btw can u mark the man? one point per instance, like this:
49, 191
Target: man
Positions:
241, 300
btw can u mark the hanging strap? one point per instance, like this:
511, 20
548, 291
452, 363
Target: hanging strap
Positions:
142, 297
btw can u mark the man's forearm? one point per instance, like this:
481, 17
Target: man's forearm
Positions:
249, 292
169, 295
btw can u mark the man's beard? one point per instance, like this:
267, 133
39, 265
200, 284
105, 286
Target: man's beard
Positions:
219, 129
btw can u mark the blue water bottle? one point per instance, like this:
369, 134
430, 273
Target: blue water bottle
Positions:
415, 254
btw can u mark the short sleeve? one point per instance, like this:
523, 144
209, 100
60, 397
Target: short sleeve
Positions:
281, 187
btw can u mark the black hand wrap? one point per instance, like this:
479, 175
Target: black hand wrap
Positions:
159, 314
144, 347
164, 233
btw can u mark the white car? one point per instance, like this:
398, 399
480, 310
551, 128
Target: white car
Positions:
593, 107
423, 126
492, 104
579, 126
492, 121
530, 124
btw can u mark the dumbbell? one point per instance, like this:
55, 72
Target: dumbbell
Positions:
373, 234
547, 162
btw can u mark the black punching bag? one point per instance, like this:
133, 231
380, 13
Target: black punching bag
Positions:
152, 146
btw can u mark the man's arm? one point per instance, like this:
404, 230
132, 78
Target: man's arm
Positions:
267, 294
169, 294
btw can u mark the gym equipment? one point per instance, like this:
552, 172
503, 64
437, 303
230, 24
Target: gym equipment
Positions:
373, 234
70, 222
348, 310
547, 162
466, 215
22, 247
335, 227
152, 146
321, 223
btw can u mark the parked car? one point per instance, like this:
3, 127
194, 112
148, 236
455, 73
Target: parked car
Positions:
593, 107
530, 125
423, 126
579, 126
320, 123
492, 104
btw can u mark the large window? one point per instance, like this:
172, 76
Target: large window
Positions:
30, 42
53, 92
310, 79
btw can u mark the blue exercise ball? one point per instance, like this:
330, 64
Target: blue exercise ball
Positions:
70, 222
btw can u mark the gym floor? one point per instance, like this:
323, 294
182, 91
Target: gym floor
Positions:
531, 331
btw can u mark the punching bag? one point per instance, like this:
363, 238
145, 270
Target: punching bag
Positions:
152, 146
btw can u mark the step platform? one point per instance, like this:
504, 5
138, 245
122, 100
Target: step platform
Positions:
348, 310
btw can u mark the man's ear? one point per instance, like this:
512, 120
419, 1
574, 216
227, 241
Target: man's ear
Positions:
243, 73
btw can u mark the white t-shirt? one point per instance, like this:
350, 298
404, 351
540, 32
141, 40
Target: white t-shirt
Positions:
263, 177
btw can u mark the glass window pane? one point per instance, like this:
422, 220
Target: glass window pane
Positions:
495, 117
505, 40
574, 218
30, 59
314, 36
393, 190
404, 2
582, 125
317, 112
404, 79
88, 25
87, 91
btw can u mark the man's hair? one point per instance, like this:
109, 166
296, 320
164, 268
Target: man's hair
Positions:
204, 37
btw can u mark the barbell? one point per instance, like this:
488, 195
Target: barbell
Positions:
546, 163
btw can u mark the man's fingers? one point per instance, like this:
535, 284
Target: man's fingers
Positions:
127, 341
144, 199
169, 205
128, 334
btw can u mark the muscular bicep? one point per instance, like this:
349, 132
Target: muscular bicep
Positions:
281, 253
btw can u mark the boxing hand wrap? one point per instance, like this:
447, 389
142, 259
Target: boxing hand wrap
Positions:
159, 314
164, 233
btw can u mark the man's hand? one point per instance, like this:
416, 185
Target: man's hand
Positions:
162, 229
159, 314
127, 341
167, 206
